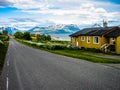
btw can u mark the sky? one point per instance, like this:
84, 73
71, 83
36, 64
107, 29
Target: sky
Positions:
25, 14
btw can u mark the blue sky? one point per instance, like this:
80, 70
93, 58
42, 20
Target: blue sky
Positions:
25, 14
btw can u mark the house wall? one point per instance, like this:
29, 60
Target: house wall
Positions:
104, 40
73, 41
118, 45
111, 41
89, 45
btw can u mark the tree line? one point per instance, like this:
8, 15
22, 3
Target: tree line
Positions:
28, 36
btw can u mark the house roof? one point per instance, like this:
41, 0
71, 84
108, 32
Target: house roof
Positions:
81, 32
97, 31
114, 33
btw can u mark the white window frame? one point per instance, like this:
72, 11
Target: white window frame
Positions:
88, 39
76, 41
82, 38
95, 40
113, 38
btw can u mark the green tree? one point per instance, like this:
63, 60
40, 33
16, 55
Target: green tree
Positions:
27, 36
5, 32
43, 37
48, 37
18, 35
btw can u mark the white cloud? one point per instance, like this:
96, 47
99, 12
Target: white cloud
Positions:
30, 4
84, 14
63, 12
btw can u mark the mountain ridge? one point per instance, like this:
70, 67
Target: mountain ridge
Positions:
55, 29
52, 29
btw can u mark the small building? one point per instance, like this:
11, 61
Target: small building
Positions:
107, 39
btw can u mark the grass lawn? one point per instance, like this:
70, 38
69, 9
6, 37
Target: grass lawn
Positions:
80, 55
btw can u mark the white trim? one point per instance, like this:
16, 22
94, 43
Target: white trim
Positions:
113, 38
88, 39
94, 39
76, 41
82, 38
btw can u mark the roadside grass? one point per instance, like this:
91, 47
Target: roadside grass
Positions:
80, 55
3, 50
75, 53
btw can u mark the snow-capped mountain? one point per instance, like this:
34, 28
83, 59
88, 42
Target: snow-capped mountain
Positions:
56, 29
11, 30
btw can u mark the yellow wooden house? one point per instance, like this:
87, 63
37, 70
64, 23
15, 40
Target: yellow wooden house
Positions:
104, 38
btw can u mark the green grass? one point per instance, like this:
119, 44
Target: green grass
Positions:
3, 50
80, 54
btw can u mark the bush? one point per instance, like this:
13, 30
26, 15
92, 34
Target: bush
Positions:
18, 35
27, 36
1, 42
58, 47
4, 32
91, 50
3, 49
4, 38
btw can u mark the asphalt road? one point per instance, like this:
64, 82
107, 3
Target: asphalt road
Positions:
31, 69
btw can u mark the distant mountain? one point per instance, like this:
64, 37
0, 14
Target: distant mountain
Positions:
11, 30
56, 29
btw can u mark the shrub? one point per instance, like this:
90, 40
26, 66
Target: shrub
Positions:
91, 50
18, 35
4, 38
27, 36
4, 32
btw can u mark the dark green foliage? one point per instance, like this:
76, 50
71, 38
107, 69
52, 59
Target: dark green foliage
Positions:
48, 37
91, 50
3, 50
26, 36
32, 35
94, 50
4, 37
4, 32
61, 42
43, 37
58, 47
18, 35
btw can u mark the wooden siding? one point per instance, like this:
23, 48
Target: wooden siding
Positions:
118, 45
85, 44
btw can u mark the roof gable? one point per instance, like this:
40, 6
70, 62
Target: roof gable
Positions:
114, 33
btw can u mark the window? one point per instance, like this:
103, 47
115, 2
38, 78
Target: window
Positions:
88, 39
96, 40
82, 38
113, 38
